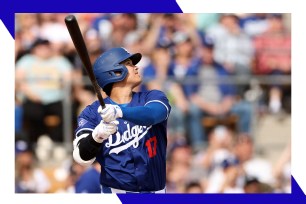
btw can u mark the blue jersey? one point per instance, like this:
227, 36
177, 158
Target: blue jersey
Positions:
134, 158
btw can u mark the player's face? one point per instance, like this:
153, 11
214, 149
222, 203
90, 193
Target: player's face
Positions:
133, 76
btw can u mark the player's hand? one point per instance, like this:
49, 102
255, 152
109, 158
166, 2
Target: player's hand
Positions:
104, 130
110, 112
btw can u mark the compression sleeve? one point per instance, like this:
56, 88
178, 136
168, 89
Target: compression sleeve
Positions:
88, 147
150, 114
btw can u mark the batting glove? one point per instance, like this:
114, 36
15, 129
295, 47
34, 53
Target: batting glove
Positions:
110, 112
104, 130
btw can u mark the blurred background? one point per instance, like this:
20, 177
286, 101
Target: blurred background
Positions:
228, 78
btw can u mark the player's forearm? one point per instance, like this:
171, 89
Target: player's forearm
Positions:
88, 148
150, 114
85, 149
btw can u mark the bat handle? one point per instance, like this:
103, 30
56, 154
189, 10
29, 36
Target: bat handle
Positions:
101, 101
99, 95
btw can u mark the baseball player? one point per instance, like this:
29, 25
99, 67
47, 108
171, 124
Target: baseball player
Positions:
128, 137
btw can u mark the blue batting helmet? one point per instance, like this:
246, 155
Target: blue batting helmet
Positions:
107, 66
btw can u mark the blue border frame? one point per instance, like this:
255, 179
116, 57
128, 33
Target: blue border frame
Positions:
10, 7
297, 196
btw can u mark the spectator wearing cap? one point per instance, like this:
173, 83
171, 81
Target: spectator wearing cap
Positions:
182, 66
225, 179
40, 80
210, 97
28, 177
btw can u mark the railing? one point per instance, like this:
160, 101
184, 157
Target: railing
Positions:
253, 81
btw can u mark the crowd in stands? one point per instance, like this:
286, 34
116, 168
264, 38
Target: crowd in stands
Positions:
196, 59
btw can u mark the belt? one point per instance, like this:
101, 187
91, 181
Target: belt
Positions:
114, 190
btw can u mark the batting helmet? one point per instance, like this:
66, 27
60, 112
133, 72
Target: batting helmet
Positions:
107, 66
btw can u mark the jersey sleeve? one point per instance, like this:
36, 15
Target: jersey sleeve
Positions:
87, 121
156, 96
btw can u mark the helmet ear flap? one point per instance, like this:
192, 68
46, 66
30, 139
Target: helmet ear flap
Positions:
119, 71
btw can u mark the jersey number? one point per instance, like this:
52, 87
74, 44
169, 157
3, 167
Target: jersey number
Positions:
151, 145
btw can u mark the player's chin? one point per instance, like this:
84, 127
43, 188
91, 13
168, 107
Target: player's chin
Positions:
138, 82
138, 77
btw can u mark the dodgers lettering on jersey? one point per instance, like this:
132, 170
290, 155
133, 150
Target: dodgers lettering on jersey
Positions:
134, 158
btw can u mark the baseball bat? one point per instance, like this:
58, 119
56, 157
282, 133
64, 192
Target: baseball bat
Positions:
79, 44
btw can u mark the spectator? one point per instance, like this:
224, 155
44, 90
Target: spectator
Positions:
160, 31
253, 165
185, 58
194, 187
214, 98
219, 148
156, 73
273, 57
252, 185
232, 172
178, 167
39, 84
113, 28
163, 29
28, 177
168, 26
233, 48
184, 62
156, 76
75, 171
225, 179
53, 29
254, 24
27, 31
